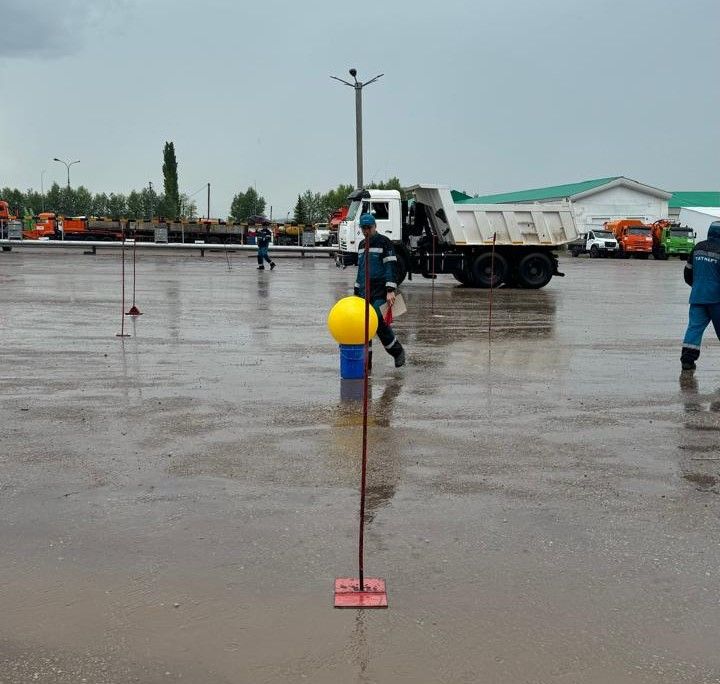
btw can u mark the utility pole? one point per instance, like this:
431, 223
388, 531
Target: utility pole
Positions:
208, 203
358, 86
150, 199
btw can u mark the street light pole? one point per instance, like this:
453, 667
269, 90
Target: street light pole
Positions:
42, 188
67, 166
358, 86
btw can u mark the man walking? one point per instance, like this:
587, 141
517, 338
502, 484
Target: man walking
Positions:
382, 260
262, 238
702, 273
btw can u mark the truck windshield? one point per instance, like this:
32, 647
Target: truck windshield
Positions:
681, 232
638, 231
354, 208
605, 234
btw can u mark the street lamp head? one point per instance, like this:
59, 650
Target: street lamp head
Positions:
56, 159
353, 72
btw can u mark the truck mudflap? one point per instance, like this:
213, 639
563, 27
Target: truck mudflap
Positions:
556, 263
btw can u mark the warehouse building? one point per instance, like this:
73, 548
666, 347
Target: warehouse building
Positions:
681, 199
593, 201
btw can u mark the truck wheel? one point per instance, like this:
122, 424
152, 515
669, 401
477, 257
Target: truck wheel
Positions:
594, 252
642, 255
661, 254
575, 252
462, 276
535, 270
485, 273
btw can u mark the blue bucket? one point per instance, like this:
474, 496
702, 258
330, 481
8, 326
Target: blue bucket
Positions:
352, 361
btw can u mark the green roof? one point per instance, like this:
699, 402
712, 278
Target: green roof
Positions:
459, 196
537, 194
681, 198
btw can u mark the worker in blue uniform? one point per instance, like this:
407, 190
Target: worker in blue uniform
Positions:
383, 282
702, 273
262, 239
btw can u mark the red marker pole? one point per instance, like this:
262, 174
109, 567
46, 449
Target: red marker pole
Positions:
432, 295
122, 332
492, 282
133, 310
351, 592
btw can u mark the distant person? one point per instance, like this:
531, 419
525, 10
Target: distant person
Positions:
702, 273
262, 238
383, 282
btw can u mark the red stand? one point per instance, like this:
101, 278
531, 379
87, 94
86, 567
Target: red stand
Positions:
361, 592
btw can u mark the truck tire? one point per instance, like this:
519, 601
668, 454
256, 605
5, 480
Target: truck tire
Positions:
485, 273
642, 255
660, 254
594, 252
575, 252
535, 270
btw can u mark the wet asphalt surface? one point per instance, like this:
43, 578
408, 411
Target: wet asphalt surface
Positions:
176, 504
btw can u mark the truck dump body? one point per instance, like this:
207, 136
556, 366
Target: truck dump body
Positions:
547, 225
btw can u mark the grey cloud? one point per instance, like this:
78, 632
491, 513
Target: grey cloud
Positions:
46, 28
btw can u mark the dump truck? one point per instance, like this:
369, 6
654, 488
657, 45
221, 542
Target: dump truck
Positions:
596, 243
671, 239
634, 237
481, 245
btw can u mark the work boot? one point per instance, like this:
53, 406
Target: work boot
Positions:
260, 268
272, 265
400, 358
688, 357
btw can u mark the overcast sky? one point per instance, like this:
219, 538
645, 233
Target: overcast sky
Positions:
483, 95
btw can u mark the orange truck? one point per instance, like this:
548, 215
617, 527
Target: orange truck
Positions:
634, 237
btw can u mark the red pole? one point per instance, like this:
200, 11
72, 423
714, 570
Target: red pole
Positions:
122, 310
134, 251
492, 281
432, 296
363, 477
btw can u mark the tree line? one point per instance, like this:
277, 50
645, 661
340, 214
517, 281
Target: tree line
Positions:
311, 207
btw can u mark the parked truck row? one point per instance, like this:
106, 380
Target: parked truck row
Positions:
50, 226
625, 238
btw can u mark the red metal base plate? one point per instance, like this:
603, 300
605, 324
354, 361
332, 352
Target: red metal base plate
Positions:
349, 595
133, 311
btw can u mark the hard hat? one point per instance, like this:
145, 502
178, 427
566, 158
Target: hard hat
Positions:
367, 220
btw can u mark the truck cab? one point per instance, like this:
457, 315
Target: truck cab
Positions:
384, 205
634, 237
672, 239
597, 242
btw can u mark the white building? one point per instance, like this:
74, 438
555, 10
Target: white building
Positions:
699, 219
594, 201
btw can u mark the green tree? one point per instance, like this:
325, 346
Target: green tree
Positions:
100, 205
81, 201
337, 198
171, 203
188, 207
246, 204
299, 216
116, 205
135, 205
392, 183
314, 208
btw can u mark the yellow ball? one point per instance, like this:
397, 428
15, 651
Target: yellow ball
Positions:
346, 321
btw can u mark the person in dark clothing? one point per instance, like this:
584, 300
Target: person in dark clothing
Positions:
262, 238
702, 273
382, 260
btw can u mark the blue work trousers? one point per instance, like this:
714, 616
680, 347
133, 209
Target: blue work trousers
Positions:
262, 255
700, 317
